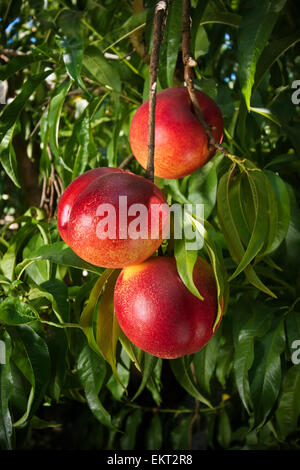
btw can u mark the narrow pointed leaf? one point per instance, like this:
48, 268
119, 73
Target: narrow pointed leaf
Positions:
87, 316
92, 371
183, 375
107, 324
255, 29
37, 353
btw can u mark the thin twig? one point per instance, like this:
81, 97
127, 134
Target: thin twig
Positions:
11, 52
160, 16
52, 189
189, 65
126, 161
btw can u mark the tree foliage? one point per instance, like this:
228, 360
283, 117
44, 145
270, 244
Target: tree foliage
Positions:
72, 75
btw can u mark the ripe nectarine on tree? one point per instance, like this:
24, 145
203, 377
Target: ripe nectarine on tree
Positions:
180, 140
72, 192
98, 210
159, 314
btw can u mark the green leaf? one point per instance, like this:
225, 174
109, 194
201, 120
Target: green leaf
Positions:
170, 45
180, 434
36, 352
133, 24
6, 386
211, 16
205, 363
101, 70
148, 367
92, 371
11, 112
53, 118
183, 375
283, 209
217, 263
8, 156
130, 350
185, 262
272, 53
8, 261
288, 411
87, 316
242, 208
266, 374
82, 157
39, 271
58, 350
107, 324
257, 183
154, 384
255, 29
224, 430
248, 326
230, 230
128, 439
123, 371
201, 43
15, 312
61, 254
202, 186
154, 434
57, 293
265, 112
72, 44
19, 62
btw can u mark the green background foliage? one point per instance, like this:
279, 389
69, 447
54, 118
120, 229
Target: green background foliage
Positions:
75, 72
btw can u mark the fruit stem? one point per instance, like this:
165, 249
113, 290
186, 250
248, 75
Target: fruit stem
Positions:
160, 16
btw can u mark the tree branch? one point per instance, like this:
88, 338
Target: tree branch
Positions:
160, 16
189, 64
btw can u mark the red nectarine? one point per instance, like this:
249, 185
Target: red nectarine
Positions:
159, 314
180, 140
72, 192
98, 218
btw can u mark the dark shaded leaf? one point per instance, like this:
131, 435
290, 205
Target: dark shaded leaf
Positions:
183, 375
6, 385
37, 353
92, 371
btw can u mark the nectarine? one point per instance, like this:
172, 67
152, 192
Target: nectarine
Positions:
159, 314
98, 217
72, 192
180, 140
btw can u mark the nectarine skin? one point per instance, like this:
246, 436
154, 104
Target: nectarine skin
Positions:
72, 192
84, 219
180, 140
159, 314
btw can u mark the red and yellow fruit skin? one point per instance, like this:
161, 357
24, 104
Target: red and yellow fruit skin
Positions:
180, 140
83, 220
159, 314
72, 192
